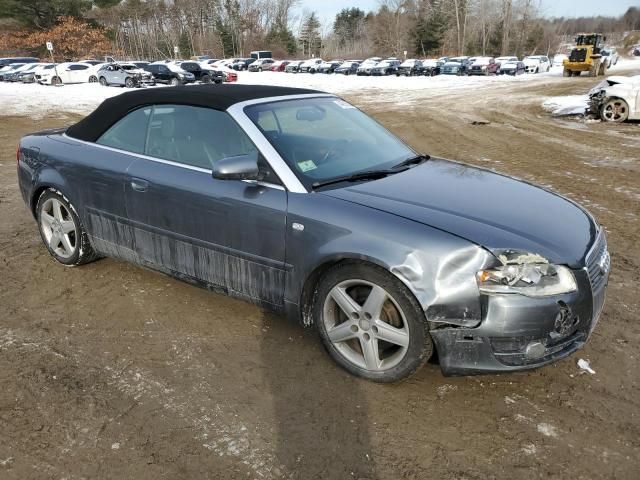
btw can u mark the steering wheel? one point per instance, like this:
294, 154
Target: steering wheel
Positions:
335, 147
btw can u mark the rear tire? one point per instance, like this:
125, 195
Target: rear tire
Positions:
385, 337
93, 79
61, 230
56, 81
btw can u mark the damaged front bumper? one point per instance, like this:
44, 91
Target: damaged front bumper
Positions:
596, 100
520, 333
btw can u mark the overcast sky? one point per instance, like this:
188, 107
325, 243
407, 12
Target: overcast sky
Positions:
327, 9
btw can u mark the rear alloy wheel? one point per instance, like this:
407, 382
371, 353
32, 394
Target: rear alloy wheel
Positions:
371, 324
56, 81
61, 230
614, 110
93, 79
103, 82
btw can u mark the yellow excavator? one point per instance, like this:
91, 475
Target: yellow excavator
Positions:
586, 56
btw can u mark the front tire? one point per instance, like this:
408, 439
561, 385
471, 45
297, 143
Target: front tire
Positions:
103, 82
370, 323
615, 110
61, 231
175, 82
129, 82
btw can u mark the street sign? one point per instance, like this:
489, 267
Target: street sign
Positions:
175, 49
50, 46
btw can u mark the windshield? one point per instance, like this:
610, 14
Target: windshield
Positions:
324, 138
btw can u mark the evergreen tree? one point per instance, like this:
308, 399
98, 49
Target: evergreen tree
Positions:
429, 31
43, 14
310, 35
346, 24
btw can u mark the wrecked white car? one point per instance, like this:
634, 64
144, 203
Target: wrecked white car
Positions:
616, 99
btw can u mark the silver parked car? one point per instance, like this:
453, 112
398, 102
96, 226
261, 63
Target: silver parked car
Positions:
124, 75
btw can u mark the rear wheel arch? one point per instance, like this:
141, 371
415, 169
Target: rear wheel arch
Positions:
41, 189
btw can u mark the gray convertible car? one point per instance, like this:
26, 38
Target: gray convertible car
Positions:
297, 201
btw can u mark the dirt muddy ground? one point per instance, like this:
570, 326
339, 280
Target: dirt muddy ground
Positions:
112, 371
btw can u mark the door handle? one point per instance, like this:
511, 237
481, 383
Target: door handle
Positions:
139, 185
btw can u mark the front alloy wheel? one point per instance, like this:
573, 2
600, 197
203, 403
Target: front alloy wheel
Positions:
615, 110
371, 324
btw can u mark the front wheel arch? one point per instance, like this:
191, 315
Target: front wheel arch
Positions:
309, 289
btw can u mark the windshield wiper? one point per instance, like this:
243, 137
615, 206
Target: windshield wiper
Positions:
417, 160
366, 175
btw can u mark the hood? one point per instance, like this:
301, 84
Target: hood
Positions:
489, 209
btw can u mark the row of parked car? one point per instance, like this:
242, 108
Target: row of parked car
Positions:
378, 66
137, 73
129, 74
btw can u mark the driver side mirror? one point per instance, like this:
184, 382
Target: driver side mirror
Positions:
239, 167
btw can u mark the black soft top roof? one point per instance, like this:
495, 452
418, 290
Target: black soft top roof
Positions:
219, 97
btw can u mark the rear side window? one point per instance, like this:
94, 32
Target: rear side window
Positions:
129, 133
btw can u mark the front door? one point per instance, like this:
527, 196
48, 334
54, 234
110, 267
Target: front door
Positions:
224, 233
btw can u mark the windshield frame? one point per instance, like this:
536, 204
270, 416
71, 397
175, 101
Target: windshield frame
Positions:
241, 112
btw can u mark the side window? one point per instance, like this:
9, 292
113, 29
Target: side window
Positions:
129, 133
195, 136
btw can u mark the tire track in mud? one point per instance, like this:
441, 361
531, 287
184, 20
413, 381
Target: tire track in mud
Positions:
213, 426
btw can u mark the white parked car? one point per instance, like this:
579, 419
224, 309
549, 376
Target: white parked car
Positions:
68, 72
610, 56
537, 63
502, 60
558, 59
617, 99
310, 66
366, 66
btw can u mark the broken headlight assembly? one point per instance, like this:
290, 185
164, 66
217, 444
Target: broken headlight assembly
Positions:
532, 279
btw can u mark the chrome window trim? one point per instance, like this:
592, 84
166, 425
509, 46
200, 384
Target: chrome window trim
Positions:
167, 162
279, 166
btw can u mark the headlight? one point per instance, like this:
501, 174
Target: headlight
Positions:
529, 279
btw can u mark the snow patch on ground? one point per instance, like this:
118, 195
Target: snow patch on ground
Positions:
547, 430
566, 105
42, 100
